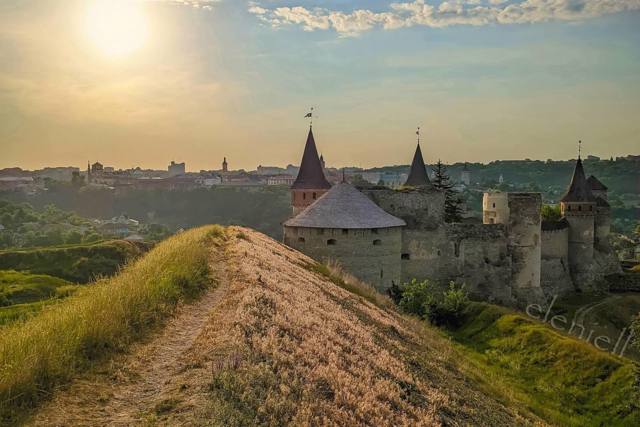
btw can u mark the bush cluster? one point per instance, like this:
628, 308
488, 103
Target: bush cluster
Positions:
428, 301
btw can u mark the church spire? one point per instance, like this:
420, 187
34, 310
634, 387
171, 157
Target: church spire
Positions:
311, 175
418, 173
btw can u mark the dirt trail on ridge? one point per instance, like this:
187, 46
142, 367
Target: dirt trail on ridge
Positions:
142, 382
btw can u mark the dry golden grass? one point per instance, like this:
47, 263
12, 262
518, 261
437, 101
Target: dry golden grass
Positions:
289, 347
286, 343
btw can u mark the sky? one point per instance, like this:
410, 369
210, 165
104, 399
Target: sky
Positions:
141, 83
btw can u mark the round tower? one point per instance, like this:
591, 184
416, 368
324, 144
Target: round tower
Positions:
310, 183
578, 206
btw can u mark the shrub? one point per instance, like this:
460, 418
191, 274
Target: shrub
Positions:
427, 301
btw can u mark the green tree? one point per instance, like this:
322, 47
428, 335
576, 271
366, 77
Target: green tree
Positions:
452, 200
550, 212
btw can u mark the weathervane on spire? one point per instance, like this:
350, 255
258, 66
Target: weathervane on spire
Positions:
310, 117
579, 148
418, 133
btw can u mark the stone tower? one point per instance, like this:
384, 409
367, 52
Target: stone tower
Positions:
578, 206
602, 220
418, 174
310, 183
225, 166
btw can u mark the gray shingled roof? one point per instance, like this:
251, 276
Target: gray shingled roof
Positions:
344, 207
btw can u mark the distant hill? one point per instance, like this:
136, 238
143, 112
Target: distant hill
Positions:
77, 263
262, 335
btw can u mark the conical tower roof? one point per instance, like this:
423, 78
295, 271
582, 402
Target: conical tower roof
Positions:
310, 175
418, 173
344, 207
579, 190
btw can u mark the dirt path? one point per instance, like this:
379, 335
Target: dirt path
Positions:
135, 387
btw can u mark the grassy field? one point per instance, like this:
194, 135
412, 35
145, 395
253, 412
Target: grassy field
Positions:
559, 378
66, 338
23, 294
76, 263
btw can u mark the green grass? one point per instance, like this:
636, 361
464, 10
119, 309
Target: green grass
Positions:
67, 338
557, 377
22, 295
76, 263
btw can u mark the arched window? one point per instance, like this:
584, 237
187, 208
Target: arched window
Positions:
301, 239
331, 242
494, 205
377, 242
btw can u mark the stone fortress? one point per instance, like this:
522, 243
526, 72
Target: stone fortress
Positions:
386, 237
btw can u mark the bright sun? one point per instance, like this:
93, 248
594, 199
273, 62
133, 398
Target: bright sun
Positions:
116, 27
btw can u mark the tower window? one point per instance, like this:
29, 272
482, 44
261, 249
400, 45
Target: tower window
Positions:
381, 273
314, 196
331, 242
304, 196
377, 242
494, 205
579, 207
405, 256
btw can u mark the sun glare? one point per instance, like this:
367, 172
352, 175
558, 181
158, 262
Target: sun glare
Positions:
116, 27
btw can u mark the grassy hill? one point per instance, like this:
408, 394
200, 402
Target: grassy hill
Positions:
77, 263
260, 334
22, 294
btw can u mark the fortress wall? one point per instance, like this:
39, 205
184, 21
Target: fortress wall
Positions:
473, 254
419, 208
581, 241
378, 265
524, 229
555, 244
602, 224
555, 278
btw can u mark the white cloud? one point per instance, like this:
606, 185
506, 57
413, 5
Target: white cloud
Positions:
444, 14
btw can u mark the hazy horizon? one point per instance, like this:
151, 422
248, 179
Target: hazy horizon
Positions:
139, 83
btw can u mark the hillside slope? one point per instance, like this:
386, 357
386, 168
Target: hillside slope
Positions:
278, 343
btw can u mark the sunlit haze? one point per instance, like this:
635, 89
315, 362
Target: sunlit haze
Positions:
141, 83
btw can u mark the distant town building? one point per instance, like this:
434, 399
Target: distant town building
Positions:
281, 180
97, 167
176, 169
269, 170
225, 166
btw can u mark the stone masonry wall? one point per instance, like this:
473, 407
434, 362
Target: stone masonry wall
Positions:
372, 255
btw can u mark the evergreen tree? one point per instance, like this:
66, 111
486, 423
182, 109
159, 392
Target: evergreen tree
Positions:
452, 201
